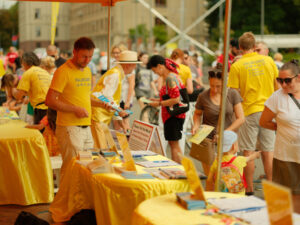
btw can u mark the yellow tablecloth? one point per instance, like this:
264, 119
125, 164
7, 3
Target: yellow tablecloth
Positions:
25, 168
111, 196
164, 210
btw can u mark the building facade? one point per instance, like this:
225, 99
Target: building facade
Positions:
35, 25
92, 19
86, 19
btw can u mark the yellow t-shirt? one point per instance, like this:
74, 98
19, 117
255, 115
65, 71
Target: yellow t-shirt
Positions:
255, 76
240, 162
75, 88
100, 114
35, 81
184, 73
2, 70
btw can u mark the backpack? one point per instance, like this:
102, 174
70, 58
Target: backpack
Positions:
231, 179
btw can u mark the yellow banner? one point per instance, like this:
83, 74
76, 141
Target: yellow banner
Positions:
54, 15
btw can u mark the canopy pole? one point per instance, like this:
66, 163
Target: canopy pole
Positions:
224, 91
108, 34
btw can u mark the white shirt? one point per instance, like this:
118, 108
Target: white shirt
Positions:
287, 144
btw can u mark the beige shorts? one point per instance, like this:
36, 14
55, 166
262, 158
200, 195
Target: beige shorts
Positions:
287, 174
252, 136
72, 139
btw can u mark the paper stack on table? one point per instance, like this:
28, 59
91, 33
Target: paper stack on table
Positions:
157, 163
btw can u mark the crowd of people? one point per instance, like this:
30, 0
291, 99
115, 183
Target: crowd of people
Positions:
60, 94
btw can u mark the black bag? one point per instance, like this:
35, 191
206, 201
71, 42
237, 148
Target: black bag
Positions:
26, 218
84, 217
197, 89
184, 98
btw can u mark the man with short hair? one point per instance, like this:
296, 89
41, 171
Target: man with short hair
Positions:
35, 83
69, 94
52, 51
254, 76
262, 48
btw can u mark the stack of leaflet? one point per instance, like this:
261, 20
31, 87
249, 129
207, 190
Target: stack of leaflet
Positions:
177, 173
188, 201
140, 153
250, 209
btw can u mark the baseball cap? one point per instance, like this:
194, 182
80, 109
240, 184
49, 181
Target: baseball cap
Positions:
229, 139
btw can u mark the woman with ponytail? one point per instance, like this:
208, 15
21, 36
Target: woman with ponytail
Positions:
167, 70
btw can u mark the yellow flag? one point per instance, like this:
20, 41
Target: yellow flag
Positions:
54, 15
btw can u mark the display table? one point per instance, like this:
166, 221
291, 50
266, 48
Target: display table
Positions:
111, 196
25, 170
164, 210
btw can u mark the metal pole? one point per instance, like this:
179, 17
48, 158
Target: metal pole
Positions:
108, 35
262, 18
181, 44
190, 27
224, 90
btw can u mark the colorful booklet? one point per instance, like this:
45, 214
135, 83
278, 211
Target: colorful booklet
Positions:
201, 134
189, 201
102, 98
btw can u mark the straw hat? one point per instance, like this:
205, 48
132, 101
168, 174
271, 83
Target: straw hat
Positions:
128, 57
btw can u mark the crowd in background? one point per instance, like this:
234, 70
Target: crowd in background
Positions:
260, 90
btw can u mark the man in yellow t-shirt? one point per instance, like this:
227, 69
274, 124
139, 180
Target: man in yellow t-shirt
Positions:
35, 83
69, 94
254, 76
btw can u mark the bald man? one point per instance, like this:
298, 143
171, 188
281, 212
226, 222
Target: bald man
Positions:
52, 51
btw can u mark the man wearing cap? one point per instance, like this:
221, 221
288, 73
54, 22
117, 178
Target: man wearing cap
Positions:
70, 95
110, 85
230, 148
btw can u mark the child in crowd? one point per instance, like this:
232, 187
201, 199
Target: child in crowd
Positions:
48, 123
9, 84
234, 165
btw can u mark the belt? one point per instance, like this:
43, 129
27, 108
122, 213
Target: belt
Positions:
83, 126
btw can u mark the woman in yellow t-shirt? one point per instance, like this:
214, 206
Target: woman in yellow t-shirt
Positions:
184, 71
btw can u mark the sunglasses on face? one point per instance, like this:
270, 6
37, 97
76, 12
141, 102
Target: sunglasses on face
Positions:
213, 74
285, 80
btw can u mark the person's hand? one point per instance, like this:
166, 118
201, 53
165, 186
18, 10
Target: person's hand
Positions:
81, 112
215, 139
194, 130
257, 154
123, 113
127, 105
154, 103
106, 106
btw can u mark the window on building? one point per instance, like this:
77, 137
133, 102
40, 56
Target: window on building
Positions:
159, 21
160, 3
56, 32
38, 32
37, 14
38, 44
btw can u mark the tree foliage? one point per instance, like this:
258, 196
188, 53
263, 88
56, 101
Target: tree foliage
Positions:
281, 17
8, 25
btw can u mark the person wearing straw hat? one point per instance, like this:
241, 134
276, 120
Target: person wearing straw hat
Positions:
110, 85
230, 149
